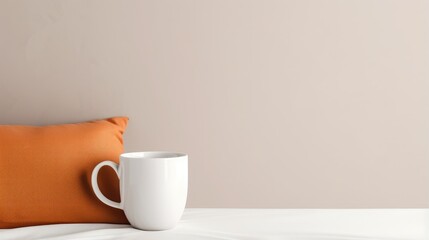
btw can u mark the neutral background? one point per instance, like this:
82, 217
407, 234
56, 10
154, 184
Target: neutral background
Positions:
279, 104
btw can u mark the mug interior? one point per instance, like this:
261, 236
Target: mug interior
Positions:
152, 155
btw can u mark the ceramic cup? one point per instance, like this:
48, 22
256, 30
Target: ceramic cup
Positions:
153, 188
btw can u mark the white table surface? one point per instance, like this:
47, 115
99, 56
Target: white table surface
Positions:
227, 224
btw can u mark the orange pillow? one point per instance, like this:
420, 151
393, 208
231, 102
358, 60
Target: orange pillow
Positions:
45, 173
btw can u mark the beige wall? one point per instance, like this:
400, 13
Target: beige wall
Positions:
279, 103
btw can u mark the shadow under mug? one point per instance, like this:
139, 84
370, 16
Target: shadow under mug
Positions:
153, 188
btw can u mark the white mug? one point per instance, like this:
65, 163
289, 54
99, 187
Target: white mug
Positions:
153, 188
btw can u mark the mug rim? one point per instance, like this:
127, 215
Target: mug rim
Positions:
152, 155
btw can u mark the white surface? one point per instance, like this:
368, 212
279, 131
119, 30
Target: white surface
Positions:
296, 224
154, 187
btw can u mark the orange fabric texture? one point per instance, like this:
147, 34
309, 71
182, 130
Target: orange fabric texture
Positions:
45, 173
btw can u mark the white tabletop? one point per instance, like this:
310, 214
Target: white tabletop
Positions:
296, 224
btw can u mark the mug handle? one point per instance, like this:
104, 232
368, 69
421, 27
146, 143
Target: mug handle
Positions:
94, 182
